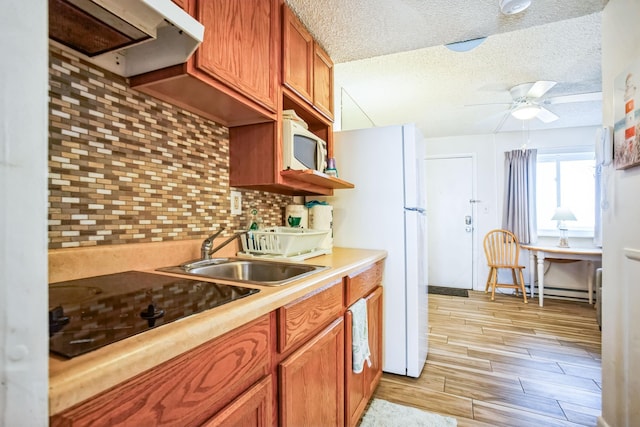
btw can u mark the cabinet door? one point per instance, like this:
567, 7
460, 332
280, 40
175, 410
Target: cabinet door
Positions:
297, 56
360, 387
241, 46
312, 381
251, 409
186, 390
374, 319
322, 81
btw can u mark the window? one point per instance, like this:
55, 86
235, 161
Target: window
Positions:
566, 178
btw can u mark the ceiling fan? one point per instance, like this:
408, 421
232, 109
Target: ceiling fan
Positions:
528, 102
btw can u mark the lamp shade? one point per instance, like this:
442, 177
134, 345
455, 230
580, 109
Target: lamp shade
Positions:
563, 214
511, 7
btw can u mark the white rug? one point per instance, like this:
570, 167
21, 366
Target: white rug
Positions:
386, 414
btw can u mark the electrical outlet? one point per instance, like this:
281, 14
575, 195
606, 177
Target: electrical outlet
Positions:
236, 203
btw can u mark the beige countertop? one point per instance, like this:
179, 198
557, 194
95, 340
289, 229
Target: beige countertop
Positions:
72, 381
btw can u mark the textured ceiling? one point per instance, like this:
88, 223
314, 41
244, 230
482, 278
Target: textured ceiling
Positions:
390, 59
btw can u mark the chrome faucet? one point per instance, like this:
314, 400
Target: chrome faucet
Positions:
207, 249
226, 242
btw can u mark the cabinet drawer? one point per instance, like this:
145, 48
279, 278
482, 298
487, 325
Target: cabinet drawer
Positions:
362, 282
300, 319
186, 390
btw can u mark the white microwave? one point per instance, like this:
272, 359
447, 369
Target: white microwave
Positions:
302, 149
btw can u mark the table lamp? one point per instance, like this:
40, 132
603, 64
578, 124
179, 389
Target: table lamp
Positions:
561, 215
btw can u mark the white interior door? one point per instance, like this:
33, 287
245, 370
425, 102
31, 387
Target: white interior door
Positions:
450, 204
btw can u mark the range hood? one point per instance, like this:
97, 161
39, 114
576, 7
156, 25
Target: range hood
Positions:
127, 37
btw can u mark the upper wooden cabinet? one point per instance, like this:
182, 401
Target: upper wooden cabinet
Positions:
306, 68
297, 55
240, 45
255, 157
234, 76
322, 81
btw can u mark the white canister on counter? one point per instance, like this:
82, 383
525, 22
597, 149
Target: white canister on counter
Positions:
321, 218
295, 211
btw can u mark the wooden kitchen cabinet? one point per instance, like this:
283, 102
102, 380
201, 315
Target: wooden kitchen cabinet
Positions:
297, 55
311, 349
255, 150
312, 381
363, 282
253, 408
306, 68
290, 367
191, 388
255, 160
322, 81
359, 388
240, 46
234, 76
299, 320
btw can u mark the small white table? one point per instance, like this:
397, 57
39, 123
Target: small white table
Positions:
539, 252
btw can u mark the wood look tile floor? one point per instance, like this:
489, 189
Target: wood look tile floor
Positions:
506, 363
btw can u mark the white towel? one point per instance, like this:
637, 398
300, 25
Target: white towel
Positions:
360, 336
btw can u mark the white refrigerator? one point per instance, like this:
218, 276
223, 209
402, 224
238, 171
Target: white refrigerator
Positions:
386, 210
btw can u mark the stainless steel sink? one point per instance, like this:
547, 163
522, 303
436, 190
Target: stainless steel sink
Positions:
267, 273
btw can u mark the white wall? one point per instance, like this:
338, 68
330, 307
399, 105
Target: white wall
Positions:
489, 151
23, 214
621, 229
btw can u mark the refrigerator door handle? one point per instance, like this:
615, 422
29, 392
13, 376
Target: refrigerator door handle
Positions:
420, 210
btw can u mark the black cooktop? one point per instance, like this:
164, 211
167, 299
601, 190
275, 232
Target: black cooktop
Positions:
90, 313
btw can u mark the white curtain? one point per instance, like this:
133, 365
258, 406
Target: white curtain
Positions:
519, 210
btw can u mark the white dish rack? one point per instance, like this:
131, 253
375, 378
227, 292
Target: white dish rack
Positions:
283, 241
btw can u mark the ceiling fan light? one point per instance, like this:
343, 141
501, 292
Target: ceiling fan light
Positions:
525, 112
511, 7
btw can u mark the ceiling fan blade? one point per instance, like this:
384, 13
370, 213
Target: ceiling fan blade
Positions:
546, 115
488, 103
579, 97
539, 88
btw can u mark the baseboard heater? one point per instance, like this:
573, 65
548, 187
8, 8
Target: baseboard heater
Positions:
550, 291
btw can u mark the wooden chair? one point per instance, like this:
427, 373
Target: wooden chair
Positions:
502, 250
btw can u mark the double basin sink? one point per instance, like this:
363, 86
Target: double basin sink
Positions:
257, 272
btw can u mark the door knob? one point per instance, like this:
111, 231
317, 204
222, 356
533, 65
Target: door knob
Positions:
467, 220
